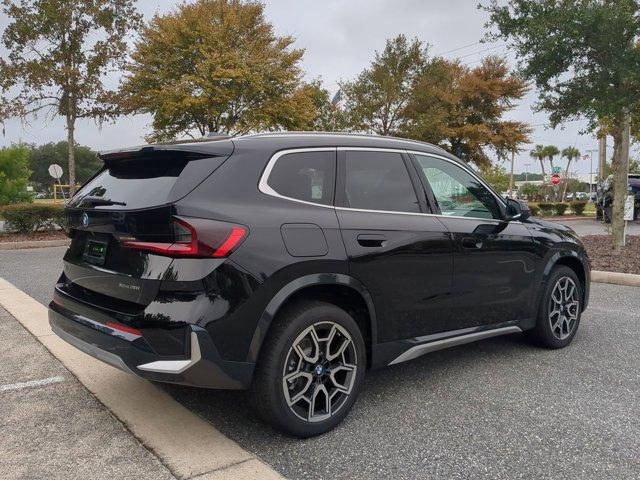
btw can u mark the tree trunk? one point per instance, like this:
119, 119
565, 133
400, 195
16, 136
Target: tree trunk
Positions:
602, 156
513, 158
566, 180
71, 144
544, 174
620, 168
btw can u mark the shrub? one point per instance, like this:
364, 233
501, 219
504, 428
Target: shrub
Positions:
14, 174
560, 208
546, 208
534, 209
32, 217
578, 207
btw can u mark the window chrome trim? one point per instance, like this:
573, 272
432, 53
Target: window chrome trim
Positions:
264, 187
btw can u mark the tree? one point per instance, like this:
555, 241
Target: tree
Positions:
40, 157
59, 52
328, 118
14, 174
584, 59
570, 153
539, 154
496, 176
216, 66
531, 191
462, 109
376, 99
550, 151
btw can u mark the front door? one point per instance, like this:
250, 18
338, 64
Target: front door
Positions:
494, 260
402, 256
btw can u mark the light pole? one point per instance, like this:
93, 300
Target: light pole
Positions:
590, 152
526, 172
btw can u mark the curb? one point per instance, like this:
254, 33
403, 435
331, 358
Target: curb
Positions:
615, 278
34, 244
188, 445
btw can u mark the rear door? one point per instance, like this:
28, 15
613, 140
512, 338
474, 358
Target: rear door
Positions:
130, 200
494, 260
402, 256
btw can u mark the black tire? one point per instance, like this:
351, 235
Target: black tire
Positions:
278, 353
543, 334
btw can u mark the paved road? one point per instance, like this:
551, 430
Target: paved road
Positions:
594, 227
57, 429
495, 409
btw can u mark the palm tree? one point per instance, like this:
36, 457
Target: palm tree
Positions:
538, 154
551, 151
570, 153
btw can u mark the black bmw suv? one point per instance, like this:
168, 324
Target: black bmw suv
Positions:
291, 263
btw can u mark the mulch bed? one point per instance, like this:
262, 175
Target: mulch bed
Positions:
601, 256
29, 237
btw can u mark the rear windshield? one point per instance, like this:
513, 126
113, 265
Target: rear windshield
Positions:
131, 185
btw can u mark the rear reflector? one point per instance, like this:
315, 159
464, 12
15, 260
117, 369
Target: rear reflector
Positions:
196, 237
124, 328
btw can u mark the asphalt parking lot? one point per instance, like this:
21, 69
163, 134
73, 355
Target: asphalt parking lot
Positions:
496, 409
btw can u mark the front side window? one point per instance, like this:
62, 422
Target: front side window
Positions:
378, 181
307, 176
457, 192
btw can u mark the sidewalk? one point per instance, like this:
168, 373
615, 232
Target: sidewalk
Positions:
58, 430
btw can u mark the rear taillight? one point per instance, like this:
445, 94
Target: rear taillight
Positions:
196, 237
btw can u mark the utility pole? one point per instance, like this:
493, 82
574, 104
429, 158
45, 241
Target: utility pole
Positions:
590, 152
526, 172
602, 156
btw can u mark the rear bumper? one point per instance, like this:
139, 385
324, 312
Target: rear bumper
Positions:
130, 353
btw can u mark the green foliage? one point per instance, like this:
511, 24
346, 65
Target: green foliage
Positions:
634, 166
546, 208
40, 157
14, 174
377, 98
216, 66
534, 209
32, 217
496, 176
461, 109
531, 177
560, 208
578, 207
530, 190
539, 154
58, 54
327, 117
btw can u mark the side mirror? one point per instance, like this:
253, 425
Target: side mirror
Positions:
517, 210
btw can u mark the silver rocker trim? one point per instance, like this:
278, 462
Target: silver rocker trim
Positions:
419, 350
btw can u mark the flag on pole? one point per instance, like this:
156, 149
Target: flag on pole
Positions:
337, 100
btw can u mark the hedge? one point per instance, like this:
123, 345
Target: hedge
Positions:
546, 207
32, 217
560, 208
534, 209
578, 207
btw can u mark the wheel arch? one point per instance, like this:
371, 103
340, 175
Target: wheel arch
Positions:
576, 262
336, 288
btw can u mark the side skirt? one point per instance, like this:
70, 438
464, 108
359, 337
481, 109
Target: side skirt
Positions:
405, 350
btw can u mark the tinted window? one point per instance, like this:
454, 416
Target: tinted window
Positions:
378, 181
307, 176
138, 184
458, 192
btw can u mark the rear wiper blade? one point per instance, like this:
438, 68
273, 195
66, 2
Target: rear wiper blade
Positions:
91, 200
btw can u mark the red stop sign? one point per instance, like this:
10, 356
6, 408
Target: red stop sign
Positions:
555, 179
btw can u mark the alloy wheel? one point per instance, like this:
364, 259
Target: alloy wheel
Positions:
319, 371
564, 307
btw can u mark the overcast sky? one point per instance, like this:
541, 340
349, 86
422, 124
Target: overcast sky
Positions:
339, 38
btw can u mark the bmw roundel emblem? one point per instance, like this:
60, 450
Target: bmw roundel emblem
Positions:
85, 220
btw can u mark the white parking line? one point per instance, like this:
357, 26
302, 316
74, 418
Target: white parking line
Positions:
33, 383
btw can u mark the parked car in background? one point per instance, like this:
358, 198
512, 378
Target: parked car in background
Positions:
604, 197
289, 264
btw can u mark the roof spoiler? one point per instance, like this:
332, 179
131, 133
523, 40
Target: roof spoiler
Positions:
184, 151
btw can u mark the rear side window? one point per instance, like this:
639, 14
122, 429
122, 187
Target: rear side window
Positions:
307, 176
378, 181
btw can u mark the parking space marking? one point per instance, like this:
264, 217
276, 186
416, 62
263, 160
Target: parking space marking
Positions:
31, 384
